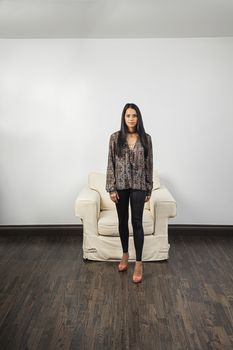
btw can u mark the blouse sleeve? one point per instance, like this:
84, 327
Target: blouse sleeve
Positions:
110, 176
149, 167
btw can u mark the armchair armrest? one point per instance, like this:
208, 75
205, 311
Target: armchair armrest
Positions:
87, 200
162, 203
87, 208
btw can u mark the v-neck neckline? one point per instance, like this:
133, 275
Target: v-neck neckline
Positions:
131, 149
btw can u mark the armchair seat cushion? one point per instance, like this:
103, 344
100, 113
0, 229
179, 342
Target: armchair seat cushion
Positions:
108, 223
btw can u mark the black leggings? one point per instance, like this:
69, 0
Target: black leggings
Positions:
137, 201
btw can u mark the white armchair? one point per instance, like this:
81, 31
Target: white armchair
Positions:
101, 240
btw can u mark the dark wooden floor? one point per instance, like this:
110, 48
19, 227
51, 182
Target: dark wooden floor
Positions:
51, 299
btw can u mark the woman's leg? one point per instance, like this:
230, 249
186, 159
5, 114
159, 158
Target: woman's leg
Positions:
123, 216
137, 202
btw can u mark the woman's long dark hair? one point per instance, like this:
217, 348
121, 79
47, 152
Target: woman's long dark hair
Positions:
124, 129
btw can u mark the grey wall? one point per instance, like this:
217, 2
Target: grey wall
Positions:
60, 99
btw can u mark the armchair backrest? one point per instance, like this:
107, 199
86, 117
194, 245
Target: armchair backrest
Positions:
97, 182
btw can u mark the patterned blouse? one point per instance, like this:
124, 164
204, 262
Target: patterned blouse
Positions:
131, 170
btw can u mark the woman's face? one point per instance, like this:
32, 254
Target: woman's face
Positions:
131, 118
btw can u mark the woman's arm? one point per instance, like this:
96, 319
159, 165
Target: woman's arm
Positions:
149, 167
110, 176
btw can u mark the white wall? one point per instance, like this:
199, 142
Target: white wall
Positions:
60, 99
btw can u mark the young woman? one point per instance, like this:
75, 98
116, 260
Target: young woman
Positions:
130, 178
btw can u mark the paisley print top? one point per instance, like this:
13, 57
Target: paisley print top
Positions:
131, 170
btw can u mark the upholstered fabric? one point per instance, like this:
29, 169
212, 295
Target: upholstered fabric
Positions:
108, 223
101, 241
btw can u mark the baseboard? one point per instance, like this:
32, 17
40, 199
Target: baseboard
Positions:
200, 230
78, 229
41, 229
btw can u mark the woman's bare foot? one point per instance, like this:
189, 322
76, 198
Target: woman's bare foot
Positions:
137, 275
124, 262
125, 258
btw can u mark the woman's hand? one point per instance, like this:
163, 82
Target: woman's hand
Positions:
114, 197
147, 198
